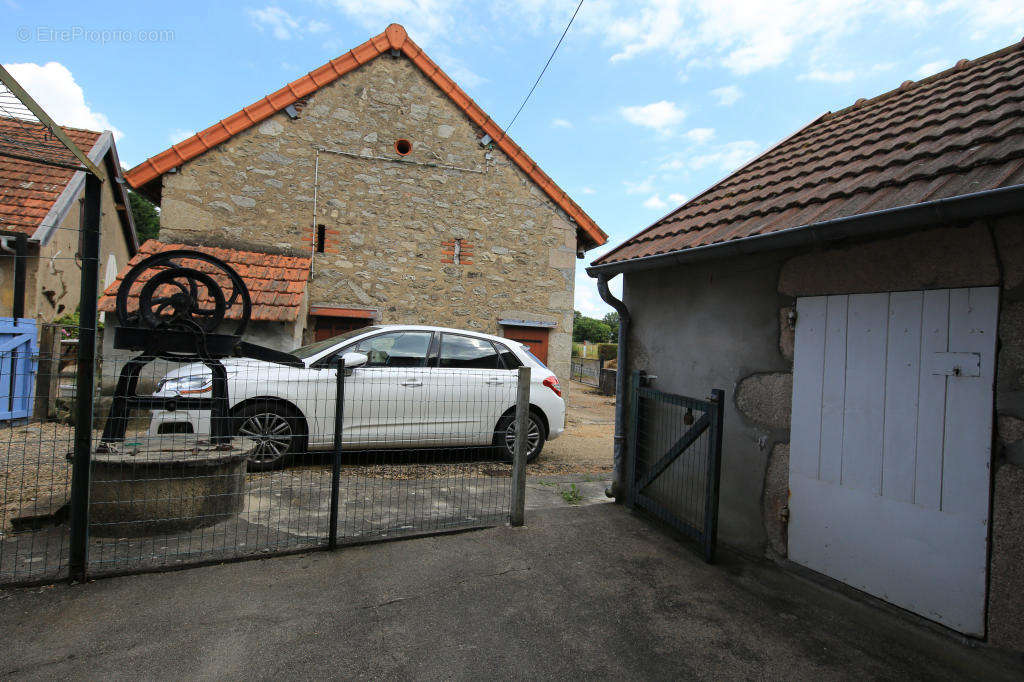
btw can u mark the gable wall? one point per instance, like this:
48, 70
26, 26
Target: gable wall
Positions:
255, 191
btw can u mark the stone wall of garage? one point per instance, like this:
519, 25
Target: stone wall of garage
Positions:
734, 318
390, 220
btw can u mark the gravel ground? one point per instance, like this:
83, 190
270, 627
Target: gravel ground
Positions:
34, 470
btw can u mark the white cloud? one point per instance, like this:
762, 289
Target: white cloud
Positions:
654, 201
56, 91
425, 20
588, 190
278, 21
677, 198
700, 135
645, 186
746, 36
561, 123
932, 68
823, 76
727, 157
727, 95
460, 73
282, 25
178, 134
661, 116
316, 26
587, 300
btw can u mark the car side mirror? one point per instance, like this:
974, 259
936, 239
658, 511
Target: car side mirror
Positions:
353, 360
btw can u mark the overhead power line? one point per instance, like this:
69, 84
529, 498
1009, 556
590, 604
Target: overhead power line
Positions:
546, 64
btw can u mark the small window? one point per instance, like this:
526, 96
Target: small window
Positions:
321, 238
467, 353
509, 359
397, 349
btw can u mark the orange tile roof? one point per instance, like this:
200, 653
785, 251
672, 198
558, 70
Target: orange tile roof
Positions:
28, 190
394, 37
276, 283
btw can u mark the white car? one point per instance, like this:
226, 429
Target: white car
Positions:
406, 386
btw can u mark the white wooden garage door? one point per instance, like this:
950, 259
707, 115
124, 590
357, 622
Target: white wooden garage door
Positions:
891, 446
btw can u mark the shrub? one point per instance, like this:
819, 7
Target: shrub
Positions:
607, 351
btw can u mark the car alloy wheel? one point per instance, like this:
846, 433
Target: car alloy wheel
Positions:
272, 434
533, 438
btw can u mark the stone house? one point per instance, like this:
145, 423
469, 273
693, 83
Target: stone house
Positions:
858, 291
43, 202
412, 204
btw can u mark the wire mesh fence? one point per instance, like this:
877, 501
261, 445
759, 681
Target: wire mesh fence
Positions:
674, 464
426, 446
586, 370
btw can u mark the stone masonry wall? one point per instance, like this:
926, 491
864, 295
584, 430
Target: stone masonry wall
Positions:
387, 218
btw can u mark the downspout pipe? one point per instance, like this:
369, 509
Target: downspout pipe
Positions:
618, 488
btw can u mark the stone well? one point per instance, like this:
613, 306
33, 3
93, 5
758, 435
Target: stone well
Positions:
166, 485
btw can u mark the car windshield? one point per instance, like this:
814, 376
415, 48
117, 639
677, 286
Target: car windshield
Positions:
314, 348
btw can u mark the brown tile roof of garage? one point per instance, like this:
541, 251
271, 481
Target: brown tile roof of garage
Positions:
956, 133
394, 37
276, 283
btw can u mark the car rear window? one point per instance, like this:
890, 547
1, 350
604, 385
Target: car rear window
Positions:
535, 358
509, 359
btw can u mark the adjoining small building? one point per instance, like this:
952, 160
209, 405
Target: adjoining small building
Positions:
858, 290
42, 202
278, 287
414, 206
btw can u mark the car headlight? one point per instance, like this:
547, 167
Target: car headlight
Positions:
187, 385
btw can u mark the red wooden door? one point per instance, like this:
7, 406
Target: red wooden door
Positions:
326, 327
534, 337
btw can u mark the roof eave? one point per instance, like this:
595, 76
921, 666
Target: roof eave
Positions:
949, 210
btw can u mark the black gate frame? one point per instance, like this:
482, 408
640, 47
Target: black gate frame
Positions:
711, 422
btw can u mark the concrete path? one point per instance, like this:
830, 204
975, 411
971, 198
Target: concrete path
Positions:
593, 591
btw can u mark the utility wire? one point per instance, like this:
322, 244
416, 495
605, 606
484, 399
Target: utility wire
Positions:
546, 64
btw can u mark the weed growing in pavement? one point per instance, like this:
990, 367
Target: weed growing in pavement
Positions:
572, 495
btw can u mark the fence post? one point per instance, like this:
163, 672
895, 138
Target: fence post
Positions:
339, 419
522, 449
714, 474
86, 380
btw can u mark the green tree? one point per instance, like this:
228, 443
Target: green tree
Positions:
145, 215
588, 329
612, 320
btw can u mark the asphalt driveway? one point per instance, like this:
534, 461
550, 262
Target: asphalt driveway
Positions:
590, 591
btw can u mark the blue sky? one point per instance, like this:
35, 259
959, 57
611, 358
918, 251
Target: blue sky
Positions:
646, 104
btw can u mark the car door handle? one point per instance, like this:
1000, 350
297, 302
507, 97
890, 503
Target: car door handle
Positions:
412, 382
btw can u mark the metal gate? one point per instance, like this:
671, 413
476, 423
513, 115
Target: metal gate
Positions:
17, 367
675, 460
586, 370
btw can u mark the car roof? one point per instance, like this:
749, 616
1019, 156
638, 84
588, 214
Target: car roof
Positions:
424, 327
